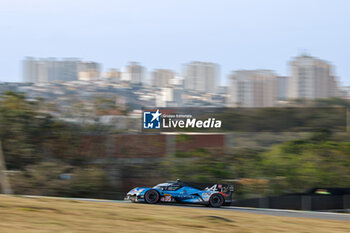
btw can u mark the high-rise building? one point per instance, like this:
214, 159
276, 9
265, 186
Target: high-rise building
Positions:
88, 75
201, 76
88, 71
51, 69
135, 73
169, 97
252, 88
311, 78
282, 87
333, 87
162, 78
113, 74
30, 70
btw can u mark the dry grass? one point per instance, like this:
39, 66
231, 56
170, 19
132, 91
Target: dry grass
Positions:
39, 215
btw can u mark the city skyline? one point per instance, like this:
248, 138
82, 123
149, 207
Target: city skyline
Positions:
147, 76
309, 78
165, 34
223, 78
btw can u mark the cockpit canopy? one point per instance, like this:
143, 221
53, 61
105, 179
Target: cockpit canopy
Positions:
169, 186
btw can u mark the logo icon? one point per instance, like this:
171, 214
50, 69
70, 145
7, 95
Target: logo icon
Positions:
151, 120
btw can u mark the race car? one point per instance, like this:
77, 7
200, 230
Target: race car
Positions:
181, 192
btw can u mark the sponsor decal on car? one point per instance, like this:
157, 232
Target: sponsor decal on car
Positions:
167, 198
206, 196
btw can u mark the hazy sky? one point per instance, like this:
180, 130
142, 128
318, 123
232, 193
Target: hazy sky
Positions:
245, 34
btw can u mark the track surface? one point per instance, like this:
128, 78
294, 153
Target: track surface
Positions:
272, 212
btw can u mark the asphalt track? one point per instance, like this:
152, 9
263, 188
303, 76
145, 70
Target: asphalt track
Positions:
271, 212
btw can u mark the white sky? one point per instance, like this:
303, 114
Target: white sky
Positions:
246, 34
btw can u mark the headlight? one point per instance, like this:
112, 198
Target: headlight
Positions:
136, 191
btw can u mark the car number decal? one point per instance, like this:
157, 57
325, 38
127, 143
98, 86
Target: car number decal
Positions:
167, 198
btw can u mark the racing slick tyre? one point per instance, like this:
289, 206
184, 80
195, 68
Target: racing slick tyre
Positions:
152, 196
216, 200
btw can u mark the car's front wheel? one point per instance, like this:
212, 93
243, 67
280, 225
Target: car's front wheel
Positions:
216, 200
152, 196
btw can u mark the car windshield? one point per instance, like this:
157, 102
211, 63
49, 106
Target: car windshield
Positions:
161, 186
173, 187
167, 186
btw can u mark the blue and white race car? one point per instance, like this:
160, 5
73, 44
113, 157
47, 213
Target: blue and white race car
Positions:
178, 191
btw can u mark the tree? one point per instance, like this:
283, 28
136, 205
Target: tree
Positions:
4, 182
21, 130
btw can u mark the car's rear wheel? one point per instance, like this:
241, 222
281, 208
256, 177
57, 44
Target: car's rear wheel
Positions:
152, 196
216, 200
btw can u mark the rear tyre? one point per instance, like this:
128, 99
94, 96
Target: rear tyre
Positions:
152, 196
216, 200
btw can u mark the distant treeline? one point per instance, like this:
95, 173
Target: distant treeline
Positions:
44, 156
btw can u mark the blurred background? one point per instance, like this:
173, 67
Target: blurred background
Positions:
75, 74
